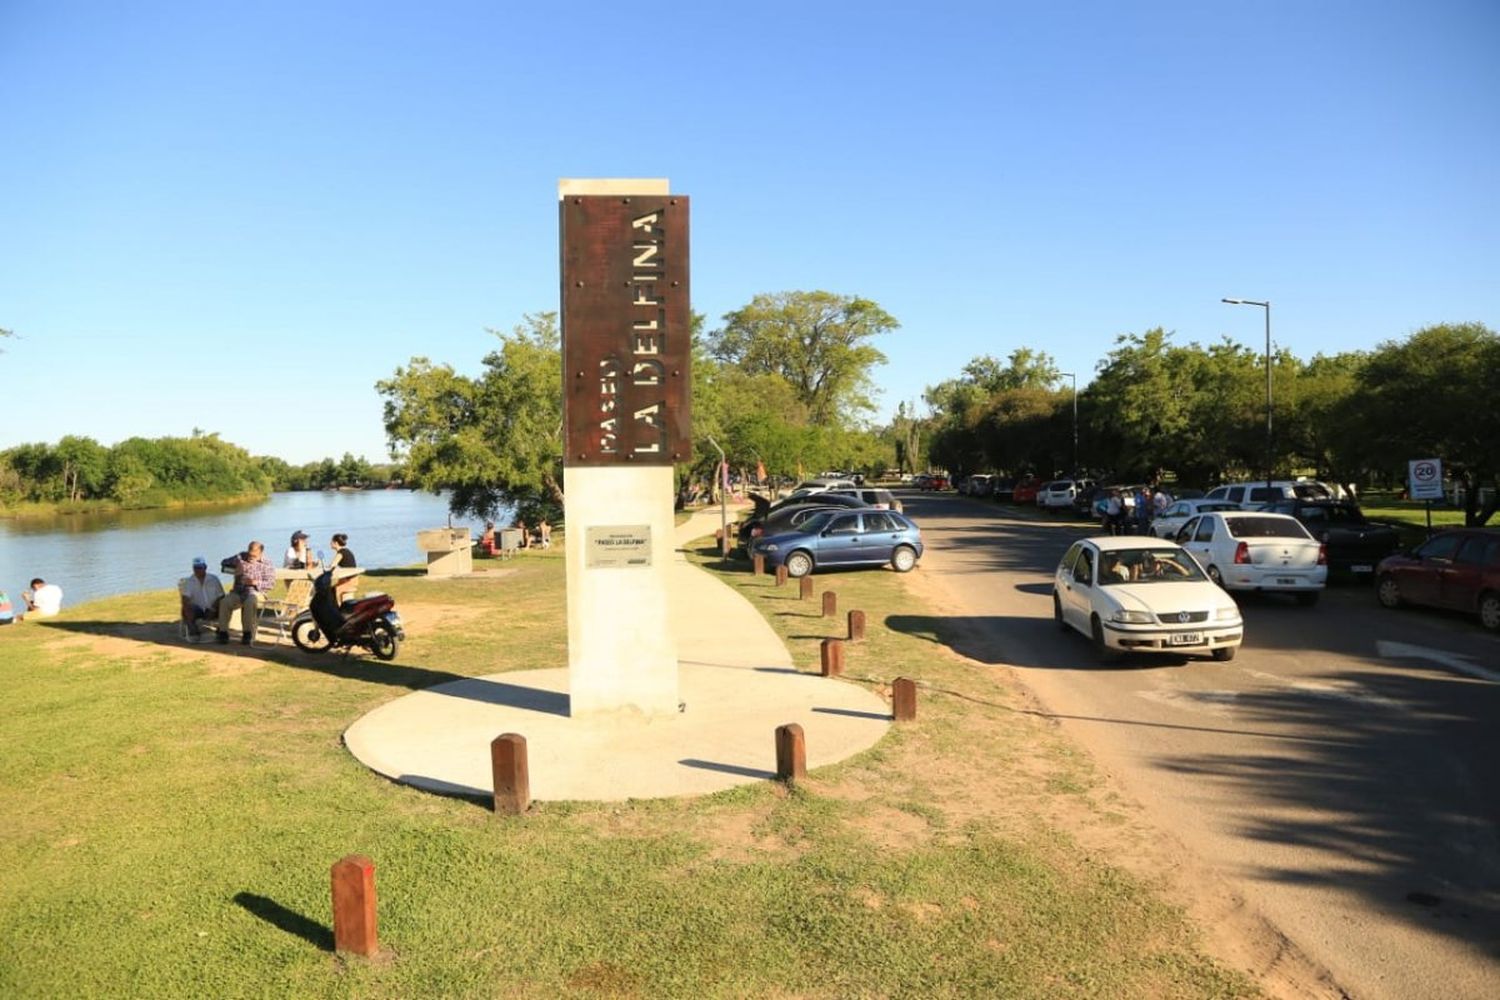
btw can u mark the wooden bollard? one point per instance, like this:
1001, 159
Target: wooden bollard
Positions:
830, 604
791, 753
904, 699
856, 626
758, 564
354, 905
805, 587
833, 657
511, 773
781, 575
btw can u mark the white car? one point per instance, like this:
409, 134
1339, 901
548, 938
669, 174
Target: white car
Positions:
1249, 496
1057, 494
1256, 551
1143, 595
1178, 512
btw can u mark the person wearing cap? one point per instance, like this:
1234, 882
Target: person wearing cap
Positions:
297, 556
200, 595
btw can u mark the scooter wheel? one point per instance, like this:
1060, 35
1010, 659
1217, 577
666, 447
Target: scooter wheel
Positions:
383, 641
309, 638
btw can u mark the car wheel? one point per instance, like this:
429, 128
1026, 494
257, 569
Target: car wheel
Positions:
798, 564
1057, 614
1388, 592
1102, 649
1308, 598
1224, 653
1216, 576
1489, 610
904, 559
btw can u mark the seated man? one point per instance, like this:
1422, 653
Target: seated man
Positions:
43, 599
200, 595
254, 578
1113, 570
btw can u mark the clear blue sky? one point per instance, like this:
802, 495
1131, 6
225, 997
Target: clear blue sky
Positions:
239, 217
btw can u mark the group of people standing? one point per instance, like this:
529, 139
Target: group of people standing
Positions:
205, 599
1125, 511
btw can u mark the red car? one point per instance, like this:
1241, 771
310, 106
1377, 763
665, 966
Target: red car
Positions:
1025, 491
1457, 569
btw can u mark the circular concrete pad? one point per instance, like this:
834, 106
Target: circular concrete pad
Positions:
439, 738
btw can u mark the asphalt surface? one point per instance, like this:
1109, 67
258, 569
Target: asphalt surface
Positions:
1343, 772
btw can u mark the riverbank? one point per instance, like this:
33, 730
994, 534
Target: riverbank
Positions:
68, 508
173, 811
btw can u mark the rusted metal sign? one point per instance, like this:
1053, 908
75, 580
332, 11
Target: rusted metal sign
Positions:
626, 329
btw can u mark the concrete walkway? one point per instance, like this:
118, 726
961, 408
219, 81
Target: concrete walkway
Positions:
737, 683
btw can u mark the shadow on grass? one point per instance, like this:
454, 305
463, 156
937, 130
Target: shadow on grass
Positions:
292, 922
335, 664
855, 714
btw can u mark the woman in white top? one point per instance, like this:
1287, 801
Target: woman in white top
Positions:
297, 556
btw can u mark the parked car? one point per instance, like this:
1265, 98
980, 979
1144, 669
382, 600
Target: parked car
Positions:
1139, 595
1354, 543
1458, 569
820, 484
874, 496
1170, 521
1002, 490
932, 481
1059, 494
1025, 489
1251, 495
977, 485
754, 525
845, 538
1241, 550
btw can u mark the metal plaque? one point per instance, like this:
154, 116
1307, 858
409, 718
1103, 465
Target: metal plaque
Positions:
626, 329
625, 545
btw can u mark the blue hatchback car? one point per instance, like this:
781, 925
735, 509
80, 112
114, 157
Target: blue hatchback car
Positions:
865, 537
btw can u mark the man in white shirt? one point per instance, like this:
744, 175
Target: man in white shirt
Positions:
43, 599
200, 595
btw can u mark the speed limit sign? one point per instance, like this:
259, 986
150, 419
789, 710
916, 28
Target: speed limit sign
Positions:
1424, 479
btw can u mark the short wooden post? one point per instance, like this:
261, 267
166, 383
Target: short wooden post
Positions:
781, 575
758, 563
904, 699
856, 626
804, 588
354, 905
833, 657
791, 753
512, 776
830, 604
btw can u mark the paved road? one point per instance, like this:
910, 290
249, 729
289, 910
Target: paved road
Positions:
1343, 771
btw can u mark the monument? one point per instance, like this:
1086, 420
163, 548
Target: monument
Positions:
626, 349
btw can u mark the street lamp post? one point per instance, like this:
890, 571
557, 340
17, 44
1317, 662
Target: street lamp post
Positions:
1267, 307
1074, 377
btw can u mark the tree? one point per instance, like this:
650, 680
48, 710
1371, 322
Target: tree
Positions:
816, 341
491, 440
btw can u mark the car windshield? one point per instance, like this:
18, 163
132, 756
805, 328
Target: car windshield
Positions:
816, 522
1163, 565
1265, 527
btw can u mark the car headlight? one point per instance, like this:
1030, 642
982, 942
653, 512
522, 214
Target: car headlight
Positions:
1132, 617
1226, 614
768, 548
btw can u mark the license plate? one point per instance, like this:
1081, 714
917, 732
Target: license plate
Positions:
1185, 639
1287, 581
1362, 568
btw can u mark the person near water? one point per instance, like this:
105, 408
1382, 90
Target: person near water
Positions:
200, 593
254, 579
43, 599
343, 558
297, 556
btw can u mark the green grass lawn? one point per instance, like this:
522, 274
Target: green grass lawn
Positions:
171, 813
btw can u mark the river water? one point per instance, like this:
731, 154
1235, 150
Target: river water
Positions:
99, 555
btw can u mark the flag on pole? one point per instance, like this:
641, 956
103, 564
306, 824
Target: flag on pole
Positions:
760, 472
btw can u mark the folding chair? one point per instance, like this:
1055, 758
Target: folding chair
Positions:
280, 612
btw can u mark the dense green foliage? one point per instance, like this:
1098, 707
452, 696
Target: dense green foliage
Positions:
1200, 412
137, 472
327, 473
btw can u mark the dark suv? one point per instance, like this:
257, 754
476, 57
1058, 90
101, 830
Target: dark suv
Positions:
1457, 569
1354, 543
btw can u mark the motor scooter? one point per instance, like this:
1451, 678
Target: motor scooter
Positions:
369, 623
